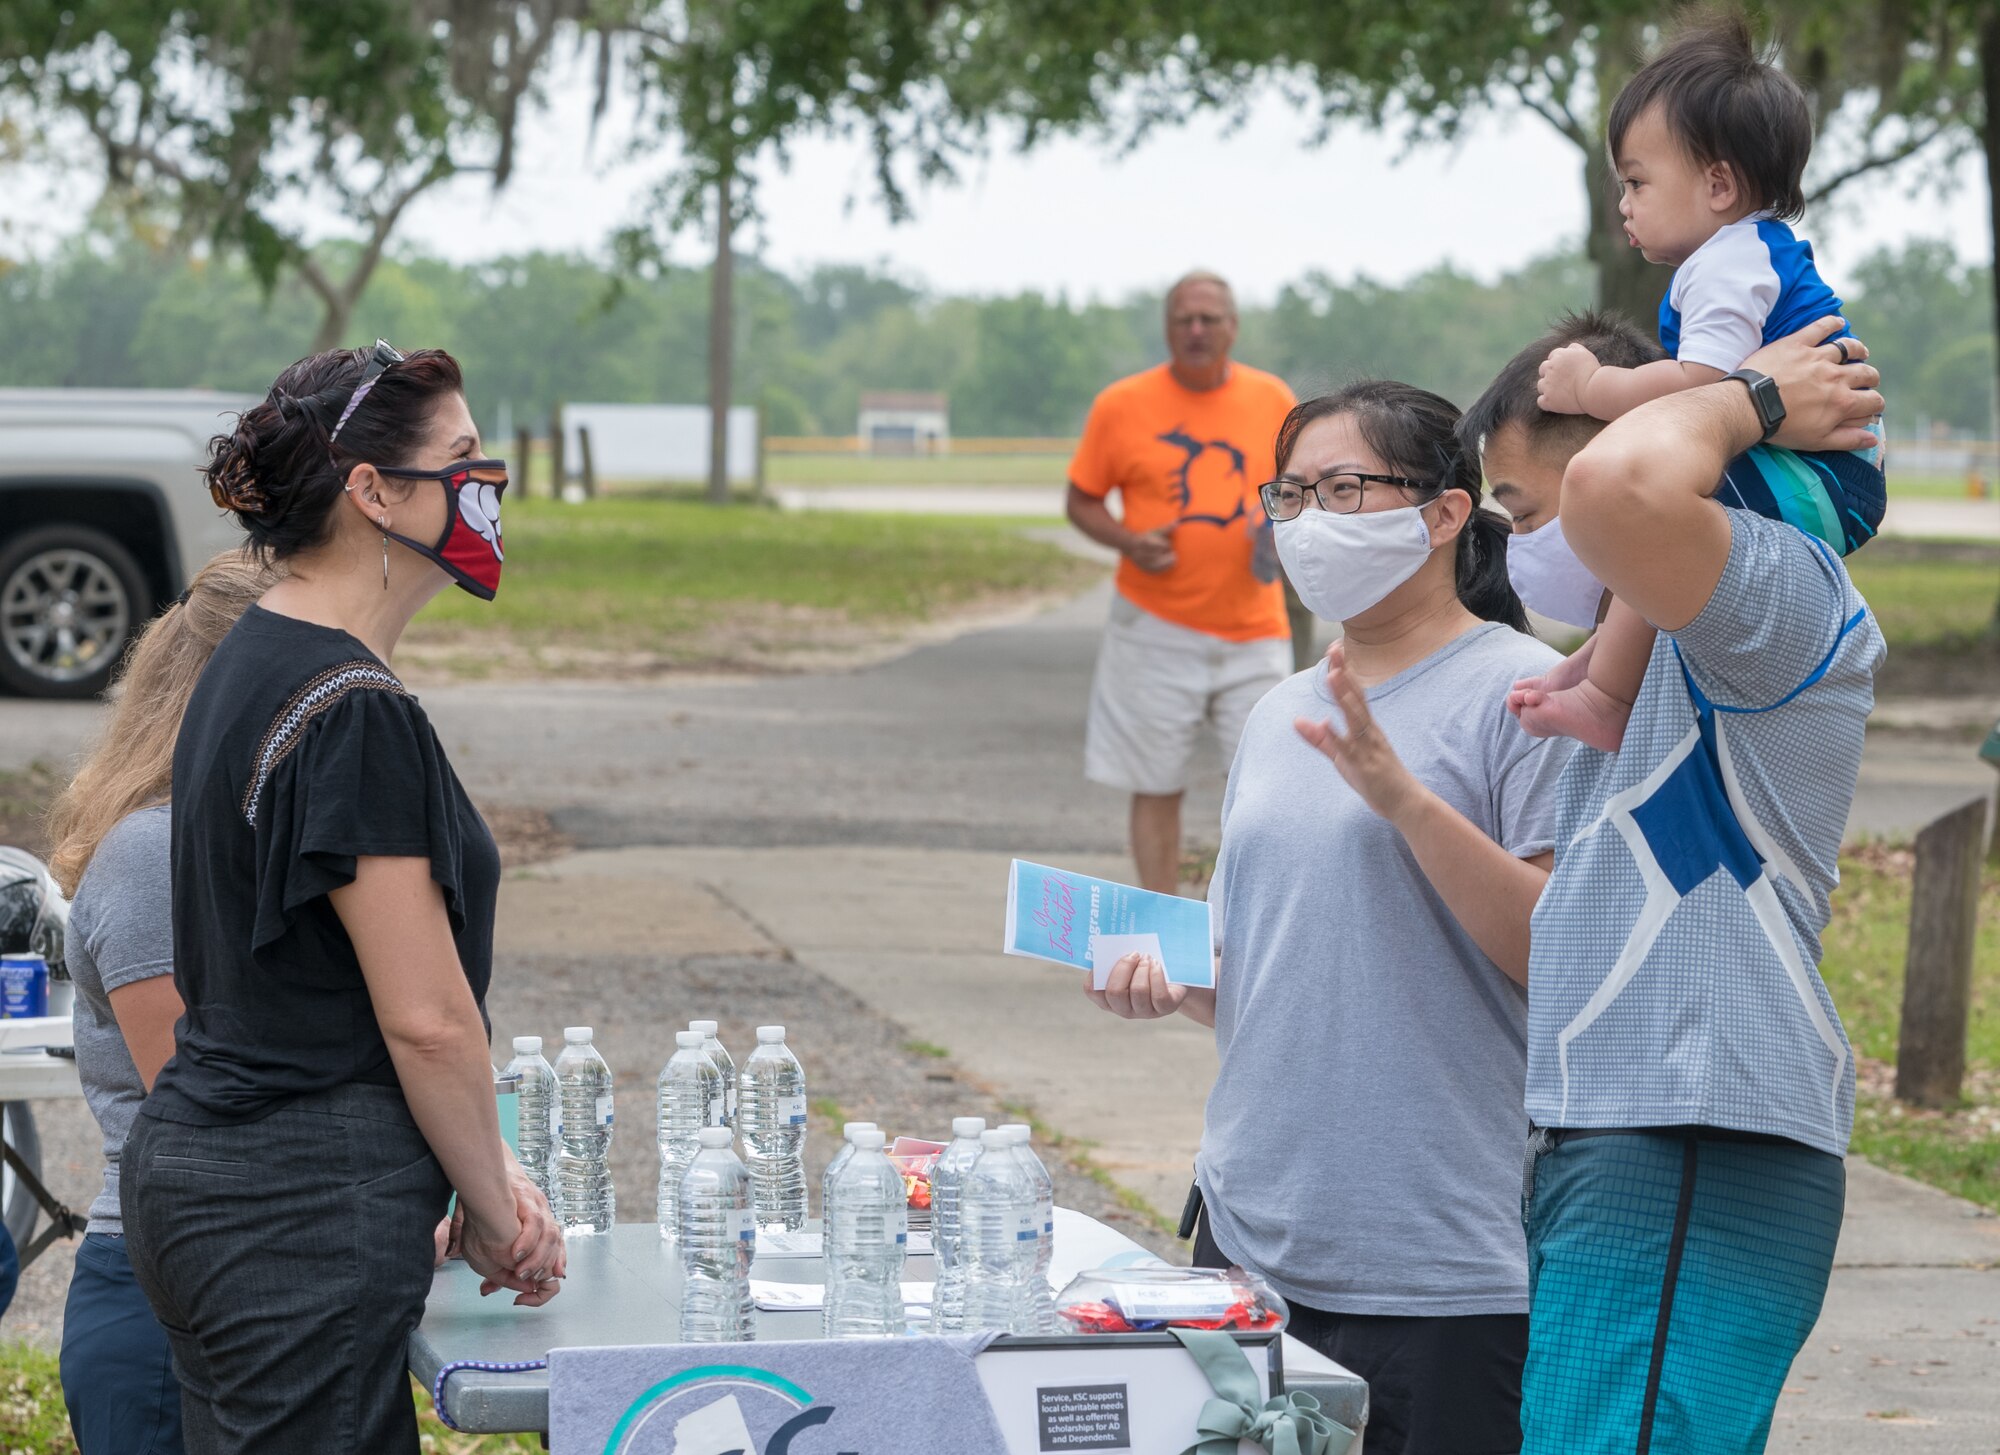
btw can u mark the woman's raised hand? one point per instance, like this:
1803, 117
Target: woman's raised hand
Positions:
1362, 753
1137, 989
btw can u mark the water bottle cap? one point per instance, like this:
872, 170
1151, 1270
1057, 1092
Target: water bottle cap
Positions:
994, 1137
577, 1035
967, 1126
770, 1035
1017, 1130
868, 1140
714, 1137
689, 1039
850, 1129
527, 1045
707, 1028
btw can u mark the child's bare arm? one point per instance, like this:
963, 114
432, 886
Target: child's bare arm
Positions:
1573, 382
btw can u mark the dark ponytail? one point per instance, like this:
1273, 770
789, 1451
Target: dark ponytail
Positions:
276, 470
1416, 434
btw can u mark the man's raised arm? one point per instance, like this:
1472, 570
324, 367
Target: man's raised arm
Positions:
1636, 501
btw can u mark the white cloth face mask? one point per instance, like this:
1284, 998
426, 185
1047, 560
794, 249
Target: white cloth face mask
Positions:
1550, 580
1342, 564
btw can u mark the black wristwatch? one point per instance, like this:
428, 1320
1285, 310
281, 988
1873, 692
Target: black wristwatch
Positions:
1764, 398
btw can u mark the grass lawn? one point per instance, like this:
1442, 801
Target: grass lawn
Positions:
1862, 962
1935, 602
676, 581
1040, 469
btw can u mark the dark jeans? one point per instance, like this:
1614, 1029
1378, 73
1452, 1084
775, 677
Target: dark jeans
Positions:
288, 1260
1436, 1386
117, 1372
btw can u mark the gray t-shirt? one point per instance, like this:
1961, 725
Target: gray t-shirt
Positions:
1675, 960
120, 931
1362, 1146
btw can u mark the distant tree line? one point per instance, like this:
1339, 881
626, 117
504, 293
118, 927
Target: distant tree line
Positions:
539, 329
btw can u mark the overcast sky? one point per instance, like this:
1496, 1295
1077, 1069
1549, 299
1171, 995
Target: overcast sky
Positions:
1253, 202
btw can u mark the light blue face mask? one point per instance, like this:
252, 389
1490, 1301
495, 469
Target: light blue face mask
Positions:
1550, 580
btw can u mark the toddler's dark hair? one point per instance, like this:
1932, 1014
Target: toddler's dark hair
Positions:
275, 469
1725, 103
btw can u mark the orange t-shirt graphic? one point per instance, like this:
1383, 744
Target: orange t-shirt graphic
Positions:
1192, 460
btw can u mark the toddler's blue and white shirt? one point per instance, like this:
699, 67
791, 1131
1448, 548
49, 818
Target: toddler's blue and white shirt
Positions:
1751, 283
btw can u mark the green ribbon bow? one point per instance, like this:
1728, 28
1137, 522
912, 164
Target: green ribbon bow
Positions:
1286, 1424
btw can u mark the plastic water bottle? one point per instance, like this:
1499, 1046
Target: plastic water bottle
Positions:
829, 1213
583, 1166
539, 1116
947, 1187
999, 1226
771, 1115
866, 1245
718, 1239
726, 1064
1041, 1294
689, 1096
840, 1160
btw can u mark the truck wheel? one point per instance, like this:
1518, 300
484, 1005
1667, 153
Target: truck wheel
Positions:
71, 598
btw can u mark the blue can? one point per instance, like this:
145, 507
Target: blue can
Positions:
24, 986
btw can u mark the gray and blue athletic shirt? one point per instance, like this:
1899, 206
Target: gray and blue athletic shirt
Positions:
1673, 978
1362, 1145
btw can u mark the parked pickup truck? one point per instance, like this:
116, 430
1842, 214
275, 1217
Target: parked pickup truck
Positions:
103, 521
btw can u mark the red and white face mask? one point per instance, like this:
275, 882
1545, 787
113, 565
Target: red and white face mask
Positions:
469, 550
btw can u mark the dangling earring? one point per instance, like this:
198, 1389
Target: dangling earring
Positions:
384, 523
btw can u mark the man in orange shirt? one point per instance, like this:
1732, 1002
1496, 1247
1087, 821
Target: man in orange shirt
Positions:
1198, 630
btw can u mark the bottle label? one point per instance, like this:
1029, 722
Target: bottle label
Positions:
604, 1110
792, 1110
1027, 1225
744, 1221
898, 1223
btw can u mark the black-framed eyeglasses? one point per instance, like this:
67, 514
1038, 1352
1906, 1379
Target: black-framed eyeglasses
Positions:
1342, 493
380, 360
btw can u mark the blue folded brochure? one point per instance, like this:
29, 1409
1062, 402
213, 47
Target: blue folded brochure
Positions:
1078, 920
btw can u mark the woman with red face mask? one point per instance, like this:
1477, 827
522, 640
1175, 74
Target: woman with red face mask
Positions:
333, 900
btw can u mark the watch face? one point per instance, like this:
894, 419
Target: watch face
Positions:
1770, 404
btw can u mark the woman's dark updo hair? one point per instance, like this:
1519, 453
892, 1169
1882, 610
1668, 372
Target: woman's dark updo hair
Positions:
1415, 433
277, 471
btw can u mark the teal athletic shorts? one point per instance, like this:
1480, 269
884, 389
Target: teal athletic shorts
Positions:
1673, 1275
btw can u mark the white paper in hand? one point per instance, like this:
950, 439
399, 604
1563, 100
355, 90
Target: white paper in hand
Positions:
1108, 950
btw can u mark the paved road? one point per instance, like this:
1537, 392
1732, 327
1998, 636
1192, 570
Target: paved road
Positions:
968, 744
1942, 519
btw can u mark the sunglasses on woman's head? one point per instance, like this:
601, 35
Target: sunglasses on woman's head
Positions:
380, 360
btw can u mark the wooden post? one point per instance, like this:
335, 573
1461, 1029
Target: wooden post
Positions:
1937, 981
558, 443
524, 441
588, 466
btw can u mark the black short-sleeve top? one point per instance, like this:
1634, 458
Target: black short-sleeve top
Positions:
299, 753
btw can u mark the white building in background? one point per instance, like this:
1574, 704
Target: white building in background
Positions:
900, 422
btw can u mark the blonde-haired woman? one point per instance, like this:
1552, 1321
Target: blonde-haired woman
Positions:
110, 831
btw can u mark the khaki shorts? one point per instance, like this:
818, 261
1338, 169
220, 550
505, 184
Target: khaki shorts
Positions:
1155, 687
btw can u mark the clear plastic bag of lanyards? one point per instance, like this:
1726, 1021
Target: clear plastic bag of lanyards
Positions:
1142, 1300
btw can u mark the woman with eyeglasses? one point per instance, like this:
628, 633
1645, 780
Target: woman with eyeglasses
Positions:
333, 895
1361, 1145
